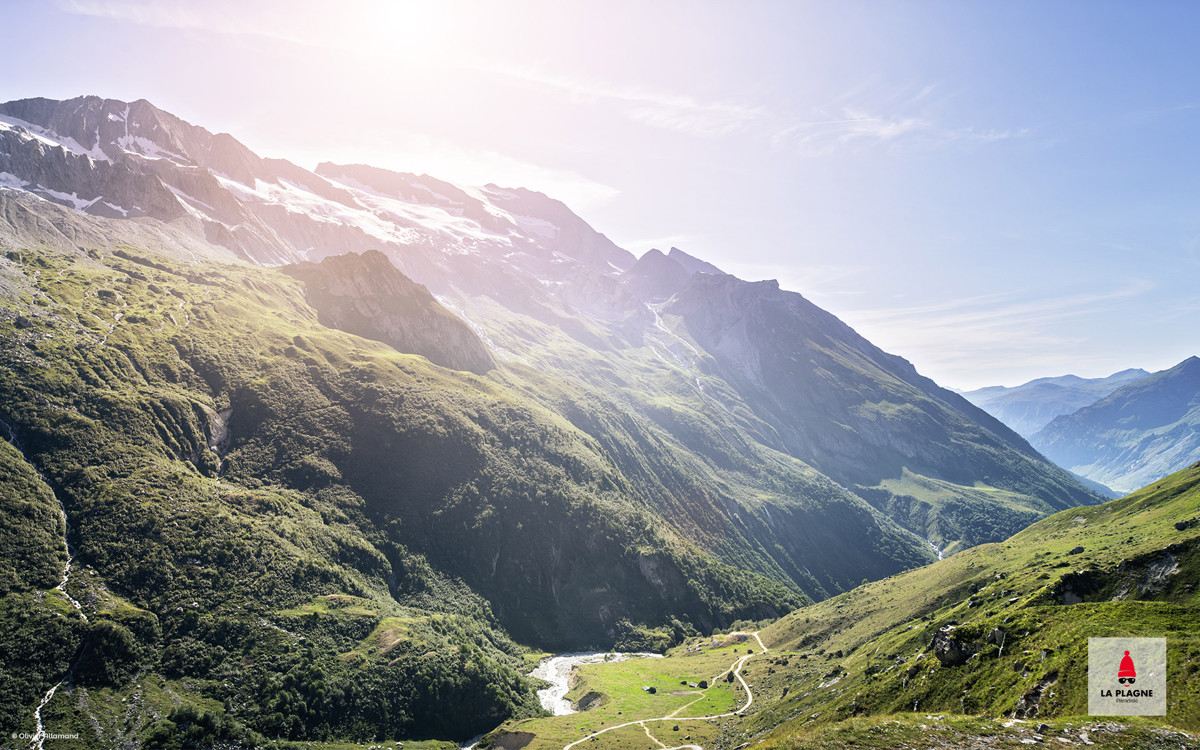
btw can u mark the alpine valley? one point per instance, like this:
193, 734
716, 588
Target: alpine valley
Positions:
335, 457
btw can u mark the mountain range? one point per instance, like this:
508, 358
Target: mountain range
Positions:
320, 439
1116, 434
1030, 406
1135, 435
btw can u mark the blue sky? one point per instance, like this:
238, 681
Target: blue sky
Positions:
995, 191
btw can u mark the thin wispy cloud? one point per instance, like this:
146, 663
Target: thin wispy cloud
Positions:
853, 128
968, 336
375, 28
218, 17
858, 129
659, 109
988, 312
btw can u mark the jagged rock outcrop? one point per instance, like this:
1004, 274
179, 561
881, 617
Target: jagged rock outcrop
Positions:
656, 277
367, 296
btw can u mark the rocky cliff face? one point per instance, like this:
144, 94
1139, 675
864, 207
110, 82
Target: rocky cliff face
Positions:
367, 296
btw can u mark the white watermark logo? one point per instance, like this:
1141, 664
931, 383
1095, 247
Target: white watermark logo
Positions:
44, 736
1127, 676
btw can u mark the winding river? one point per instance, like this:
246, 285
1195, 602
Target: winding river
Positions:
557, 671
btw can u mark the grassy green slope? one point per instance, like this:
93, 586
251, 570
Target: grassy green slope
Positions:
858, 669
191, 584
1046, 596
187, 576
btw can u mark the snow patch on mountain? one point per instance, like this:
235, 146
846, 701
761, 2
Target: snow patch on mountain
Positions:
10, 180
50, 138
145, 148
189, 198
484, 197
300, 200
79, 204
434, 219
536, 227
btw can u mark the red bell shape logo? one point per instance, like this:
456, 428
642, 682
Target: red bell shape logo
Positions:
1126, 674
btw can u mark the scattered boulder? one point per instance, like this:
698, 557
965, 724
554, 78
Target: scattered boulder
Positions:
1075, 551
950, 651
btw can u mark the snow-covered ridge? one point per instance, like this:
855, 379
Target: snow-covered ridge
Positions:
138, 145
300, 200
448, 224
330, 211
50, 138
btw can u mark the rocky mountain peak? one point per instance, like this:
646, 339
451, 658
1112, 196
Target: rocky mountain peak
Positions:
656, 277
692, 264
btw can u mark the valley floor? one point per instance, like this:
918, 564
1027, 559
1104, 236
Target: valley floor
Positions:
620, 713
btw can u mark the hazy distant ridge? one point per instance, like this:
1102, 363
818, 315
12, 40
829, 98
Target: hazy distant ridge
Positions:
1136, 435
1029, 407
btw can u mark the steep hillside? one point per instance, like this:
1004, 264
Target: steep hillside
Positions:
1029, 407
1136, 435
866, 418
1002, 629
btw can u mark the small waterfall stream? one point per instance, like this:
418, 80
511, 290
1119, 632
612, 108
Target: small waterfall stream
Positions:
39, 736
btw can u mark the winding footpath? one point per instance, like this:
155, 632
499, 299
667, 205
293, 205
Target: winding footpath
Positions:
737, 672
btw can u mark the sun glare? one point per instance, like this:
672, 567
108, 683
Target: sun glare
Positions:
416, 31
